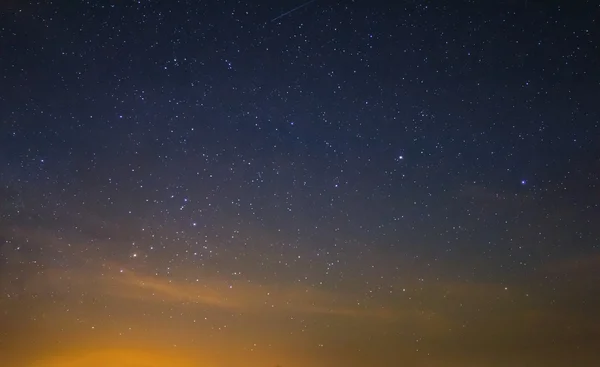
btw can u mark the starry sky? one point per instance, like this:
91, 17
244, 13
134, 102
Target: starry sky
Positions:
277, 183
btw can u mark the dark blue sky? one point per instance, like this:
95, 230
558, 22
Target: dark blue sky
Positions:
351, 148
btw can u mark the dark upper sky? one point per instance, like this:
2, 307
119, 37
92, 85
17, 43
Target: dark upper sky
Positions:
326, 183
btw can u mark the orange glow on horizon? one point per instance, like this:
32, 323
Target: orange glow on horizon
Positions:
119, 358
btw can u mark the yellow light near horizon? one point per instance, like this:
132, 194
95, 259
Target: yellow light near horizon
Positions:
117, 358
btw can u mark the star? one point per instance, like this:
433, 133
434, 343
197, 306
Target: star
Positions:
365, 180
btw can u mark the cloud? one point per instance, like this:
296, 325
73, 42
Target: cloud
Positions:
586, 264
241, 296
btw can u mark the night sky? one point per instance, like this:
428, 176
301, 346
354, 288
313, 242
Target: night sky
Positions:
279, 183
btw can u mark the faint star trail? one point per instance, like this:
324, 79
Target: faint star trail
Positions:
293, 10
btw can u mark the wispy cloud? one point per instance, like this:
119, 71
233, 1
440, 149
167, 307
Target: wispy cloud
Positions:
242, 296
585, 264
